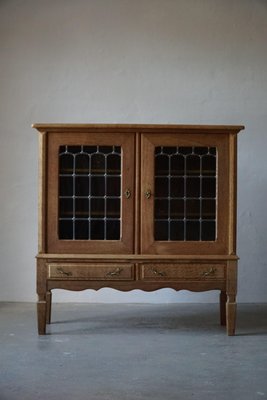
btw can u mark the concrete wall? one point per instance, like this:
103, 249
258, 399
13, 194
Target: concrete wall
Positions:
124, 61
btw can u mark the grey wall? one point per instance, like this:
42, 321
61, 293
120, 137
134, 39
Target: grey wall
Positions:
143, 61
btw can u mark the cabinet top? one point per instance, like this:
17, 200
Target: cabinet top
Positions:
142, 128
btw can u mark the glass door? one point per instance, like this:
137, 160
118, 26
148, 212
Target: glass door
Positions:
90, 192
183, 191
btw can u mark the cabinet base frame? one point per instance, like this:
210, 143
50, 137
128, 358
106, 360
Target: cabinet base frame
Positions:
226, 285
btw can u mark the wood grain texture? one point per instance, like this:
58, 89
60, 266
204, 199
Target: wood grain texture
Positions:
231, 290
48, 306
142, 128
93, 271
232, 193
140, 257
126, 286
179, 271
42, 192
223, 299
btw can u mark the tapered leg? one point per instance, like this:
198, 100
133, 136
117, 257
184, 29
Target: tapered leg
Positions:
223, 299
48, 306
231, 314
41, 314
42, 296
231, 288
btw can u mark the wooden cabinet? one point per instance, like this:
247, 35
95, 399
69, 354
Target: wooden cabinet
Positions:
137, 207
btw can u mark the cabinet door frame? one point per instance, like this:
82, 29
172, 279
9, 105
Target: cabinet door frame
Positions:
126, 243
224, 194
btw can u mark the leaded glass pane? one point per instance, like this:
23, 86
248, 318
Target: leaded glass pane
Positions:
185, 193
192, 231
98, 164
113, 164
82, 164
66, 229
66, 186
177, 164
89, 193
81, 229
161, 187
161, 229
65, 207
177, 187
81, 184
177, 230
112, 229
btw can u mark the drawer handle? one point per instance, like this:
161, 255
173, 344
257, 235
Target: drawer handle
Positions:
211, 271
158, 273
116, 272
62, 272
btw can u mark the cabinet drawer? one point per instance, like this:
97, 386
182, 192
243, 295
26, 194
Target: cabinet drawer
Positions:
96, 271
162, 271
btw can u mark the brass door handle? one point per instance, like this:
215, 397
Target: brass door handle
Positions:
148, 194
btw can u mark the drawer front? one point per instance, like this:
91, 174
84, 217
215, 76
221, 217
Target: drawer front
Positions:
165, 272
96, 271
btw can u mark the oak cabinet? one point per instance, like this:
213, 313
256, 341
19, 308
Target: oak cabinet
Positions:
137, 207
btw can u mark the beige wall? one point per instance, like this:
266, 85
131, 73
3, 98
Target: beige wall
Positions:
142, 61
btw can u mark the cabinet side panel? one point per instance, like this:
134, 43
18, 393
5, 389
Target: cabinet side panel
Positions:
42, 182
232, 193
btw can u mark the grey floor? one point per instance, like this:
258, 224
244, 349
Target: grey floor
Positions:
132, 352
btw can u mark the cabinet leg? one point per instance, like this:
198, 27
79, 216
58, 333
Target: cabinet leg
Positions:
223, 299
41, 315
230, 315
231, 287
48, 306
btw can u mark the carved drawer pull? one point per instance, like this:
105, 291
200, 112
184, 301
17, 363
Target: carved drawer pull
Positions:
61, 271
158, 273
116, 272
211, 271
